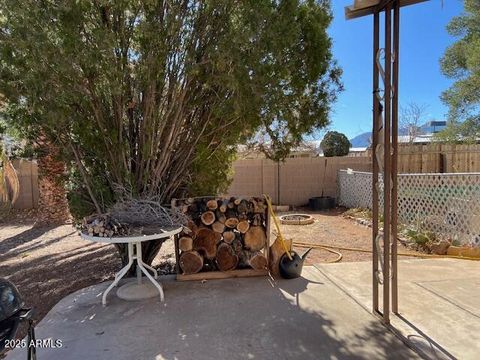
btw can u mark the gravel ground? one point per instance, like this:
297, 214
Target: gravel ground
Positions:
48, 263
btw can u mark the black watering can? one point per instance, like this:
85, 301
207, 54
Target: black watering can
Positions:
291, 267
291, 264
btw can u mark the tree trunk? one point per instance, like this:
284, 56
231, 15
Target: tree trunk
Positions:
52, 201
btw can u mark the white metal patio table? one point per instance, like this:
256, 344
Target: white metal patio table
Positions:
134, 248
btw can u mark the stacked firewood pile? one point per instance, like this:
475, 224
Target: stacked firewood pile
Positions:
104, 225
222, 234
133, 217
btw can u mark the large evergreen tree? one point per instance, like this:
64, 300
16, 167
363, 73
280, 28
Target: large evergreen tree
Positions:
461, 62
154, 96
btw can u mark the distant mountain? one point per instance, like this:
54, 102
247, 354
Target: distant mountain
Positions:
363, 140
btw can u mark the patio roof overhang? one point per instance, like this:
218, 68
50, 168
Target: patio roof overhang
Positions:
368, 7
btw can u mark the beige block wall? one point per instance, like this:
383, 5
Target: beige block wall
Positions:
302, 178
299, 180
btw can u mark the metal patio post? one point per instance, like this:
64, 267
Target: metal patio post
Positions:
384, 150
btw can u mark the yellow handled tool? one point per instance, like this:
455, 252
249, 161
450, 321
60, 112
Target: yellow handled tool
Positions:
279, 233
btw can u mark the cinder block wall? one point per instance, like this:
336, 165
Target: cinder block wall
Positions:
294, 181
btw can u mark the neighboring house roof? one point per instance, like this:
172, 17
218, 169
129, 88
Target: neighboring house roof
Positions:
419, 139
312, 146
358, 149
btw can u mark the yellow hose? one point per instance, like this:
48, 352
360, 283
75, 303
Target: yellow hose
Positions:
330, 248
339, 254
327, 247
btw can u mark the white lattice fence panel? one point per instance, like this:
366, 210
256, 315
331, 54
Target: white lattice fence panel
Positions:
446, 204
355, 189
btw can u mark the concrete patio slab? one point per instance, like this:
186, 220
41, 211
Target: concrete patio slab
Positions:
438, 302
251, 318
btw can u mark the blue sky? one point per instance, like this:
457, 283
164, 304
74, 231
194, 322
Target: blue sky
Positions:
423, 40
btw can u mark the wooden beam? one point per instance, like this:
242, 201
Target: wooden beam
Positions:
352, 13
211, 275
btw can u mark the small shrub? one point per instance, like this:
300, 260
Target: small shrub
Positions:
335, 144
420, 238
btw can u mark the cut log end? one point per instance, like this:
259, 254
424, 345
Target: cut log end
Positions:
231, 222
243, 226
223, 206
275, 253
258, 261
228, 236
206, 242
191, 262
218, 227
212, 204
226, 258
208, 218
185, 243
220, 216
255, 238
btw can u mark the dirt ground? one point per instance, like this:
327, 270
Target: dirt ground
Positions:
48, 263
331, 228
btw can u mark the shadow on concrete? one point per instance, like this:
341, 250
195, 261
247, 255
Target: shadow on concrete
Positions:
424, 343
254, 318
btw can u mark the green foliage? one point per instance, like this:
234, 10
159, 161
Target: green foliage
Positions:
80, 203
335, 144
466, 132
213, 173
461, 63
361, 213
421, 238
154, 96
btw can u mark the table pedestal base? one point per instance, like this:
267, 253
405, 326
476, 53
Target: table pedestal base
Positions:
132, 291
135, 253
